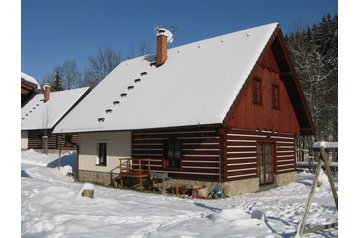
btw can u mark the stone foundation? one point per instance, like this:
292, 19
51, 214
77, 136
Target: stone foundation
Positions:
230, 188
238, 187
95, 177
285, 178
209, 186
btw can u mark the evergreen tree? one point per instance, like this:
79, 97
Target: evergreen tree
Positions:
57, 84
315, 54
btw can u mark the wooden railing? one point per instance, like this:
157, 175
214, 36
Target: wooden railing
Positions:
137, 168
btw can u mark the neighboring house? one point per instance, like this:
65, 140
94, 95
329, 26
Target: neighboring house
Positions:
29, 88
43, 112
223, 111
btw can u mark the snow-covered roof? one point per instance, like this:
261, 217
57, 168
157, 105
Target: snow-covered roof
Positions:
196, 85
37, 114
30, 79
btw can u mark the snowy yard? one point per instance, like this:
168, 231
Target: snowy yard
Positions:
52, 206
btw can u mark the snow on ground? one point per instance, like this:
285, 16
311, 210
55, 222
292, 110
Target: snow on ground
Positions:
52, 206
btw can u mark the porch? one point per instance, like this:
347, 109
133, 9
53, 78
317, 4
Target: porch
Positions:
133, 168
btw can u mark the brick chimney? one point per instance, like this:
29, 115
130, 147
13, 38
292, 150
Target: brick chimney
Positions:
163, 37
47, 91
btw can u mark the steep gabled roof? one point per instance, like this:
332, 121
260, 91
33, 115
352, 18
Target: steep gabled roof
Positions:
196, 85
37, 114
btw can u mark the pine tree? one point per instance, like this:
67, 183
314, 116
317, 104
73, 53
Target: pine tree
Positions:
57, 84
315, 54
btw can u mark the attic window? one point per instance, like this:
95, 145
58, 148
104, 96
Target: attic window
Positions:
137, 80
37, 104
130, 87
275, 97
30, 111
26, 115
257, 96
143, 73
123, 94
109, 110
23, 118
101, 119
34, 108
116, 102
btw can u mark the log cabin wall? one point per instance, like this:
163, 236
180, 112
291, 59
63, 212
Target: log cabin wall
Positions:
200, 151
241, 149
35, 139
54, 141
67, 142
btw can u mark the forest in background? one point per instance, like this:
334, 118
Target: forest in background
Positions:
315, 54
314, 50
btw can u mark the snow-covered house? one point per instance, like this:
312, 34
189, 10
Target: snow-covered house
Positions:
43, 112
225, 110
29, 88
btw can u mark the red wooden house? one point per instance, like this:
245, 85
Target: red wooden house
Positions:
223, 111
29, 88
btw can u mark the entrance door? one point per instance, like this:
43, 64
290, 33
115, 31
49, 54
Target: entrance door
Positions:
265, 157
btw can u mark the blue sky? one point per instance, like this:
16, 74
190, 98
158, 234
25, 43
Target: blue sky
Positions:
59, 30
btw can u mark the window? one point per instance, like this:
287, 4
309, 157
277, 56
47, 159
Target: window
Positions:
257, 91
173, 154
68, 140
102, 154
275, 97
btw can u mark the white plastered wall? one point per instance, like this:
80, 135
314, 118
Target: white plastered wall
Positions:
24, 140
119, 145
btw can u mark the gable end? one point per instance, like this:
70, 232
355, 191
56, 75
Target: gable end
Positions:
284, 68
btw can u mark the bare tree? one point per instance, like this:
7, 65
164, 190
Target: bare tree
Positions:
144, 48
46, 118
100, 66
69, 72
71, 76
131, 53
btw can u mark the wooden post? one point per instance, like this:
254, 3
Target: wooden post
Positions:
310, 198
322, 159
329, 174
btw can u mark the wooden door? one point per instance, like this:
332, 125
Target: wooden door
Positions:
265, 155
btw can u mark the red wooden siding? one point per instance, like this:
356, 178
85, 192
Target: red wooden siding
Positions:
247, 115
200, 151
241, 152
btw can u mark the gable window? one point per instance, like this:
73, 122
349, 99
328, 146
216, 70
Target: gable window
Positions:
257, 98
275, 97
173, 155
101, 154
